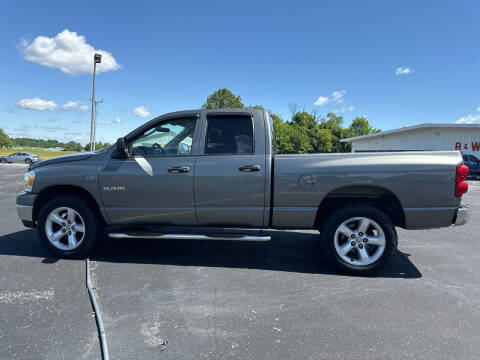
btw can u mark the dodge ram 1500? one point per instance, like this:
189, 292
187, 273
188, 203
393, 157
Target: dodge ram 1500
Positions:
187, 174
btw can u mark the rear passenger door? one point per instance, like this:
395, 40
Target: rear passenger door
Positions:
229, 178
14, 157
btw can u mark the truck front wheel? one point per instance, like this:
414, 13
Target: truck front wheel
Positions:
69, 226
358, 239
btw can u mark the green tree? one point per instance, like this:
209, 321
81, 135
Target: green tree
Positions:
290, 137
5, 141
98, 146
73, 146
360, 126
334, 123
223, 98
306, 123
325, 141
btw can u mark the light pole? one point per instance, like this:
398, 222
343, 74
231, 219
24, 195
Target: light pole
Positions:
97, 58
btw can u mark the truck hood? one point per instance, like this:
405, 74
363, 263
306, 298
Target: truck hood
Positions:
64, 158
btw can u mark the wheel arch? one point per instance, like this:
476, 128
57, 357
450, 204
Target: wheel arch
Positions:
57, 190
377, 196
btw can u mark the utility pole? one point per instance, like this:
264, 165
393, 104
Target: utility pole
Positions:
95, 123
97, 58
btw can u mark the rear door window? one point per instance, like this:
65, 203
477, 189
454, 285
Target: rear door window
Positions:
230, 134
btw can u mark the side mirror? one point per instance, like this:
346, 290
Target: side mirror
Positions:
122, 148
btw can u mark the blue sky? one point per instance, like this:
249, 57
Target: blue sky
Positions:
168, 56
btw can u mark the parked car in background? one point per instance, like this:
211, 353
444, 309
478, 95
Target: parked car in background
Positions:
473, 164
24, 157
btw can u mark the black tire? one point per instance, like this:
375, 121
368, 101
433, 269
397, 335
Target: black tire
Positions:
94, 228
332, 223
28, 161
3, 161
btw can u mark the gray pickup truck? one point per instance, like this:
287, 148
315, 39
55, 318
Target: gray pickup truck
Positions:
195, 174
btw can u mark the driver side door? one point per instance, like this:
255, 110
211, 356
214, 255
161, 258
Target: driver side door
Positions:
154, 186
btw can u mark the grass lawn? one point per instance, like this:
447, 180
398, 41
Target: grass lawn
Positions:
44, 154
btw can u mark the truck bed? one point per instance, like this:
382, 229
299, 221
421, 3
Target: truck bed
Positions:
422, 182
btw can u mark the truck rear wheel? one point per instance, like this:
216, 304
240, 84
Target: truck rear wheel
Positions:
69, 226
358, 239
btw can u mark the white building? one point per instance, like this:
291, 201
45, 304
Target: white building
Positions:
425, 137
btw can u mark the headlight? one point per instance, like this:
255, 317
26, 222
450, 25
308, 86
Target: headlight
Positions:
29, 180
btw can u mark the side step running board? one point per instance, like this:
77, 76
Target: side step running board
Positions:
141, 235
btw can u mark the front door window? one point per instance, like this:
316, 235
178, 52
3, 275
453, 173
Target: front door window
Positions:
171, 138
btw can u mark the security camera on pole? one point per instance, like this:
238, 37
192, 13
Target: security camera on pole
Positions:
97, 59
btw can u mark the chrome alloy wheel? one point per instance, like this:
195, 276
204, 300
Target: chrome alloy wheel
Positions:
65, 228
359, 241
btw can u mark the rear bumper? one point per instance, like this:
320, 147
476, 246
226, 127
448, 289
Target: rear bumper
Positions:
462, 216
436, 217
25, 203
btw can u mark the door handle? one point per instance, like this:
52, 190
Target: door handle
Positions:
178, 169
249, 168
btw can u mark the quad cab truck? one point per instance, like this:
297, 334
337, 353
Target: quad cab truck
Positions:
214, 174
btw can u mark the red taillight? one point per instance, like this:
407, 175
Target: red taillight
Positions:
461, 186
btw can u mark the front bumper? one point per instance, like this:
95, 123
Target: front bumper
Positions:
25, 203
463, 215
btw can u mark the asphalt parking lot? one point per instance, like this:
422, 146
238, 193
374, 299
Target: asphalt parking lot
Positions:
216, 300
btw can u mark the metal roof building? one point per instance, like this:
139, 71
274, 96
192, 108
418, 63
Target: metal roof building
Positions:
424, 137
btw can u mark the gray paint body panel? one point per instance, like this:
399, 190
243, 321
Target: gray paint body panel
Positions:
224, 195
417, 179
215, 193
131, 196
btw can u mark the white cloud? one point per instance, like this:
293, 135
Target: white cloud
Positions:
68, 52
74, 106
117, 120
337, 96
403, 70
37, 104
344, 109
468, 119
322, 100
72, 133
62, 127
141, 111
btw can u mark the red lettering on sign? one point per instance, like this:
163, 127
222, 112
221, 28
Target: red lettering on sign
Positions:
475, 146
458, 146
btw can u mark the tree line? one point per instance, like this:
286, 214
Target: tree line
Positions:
304, 132
7, 142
